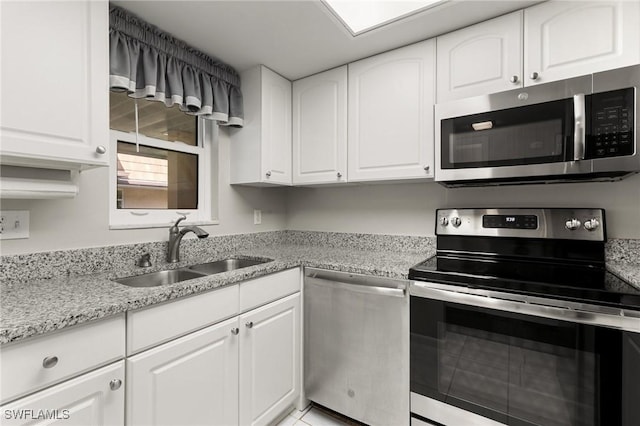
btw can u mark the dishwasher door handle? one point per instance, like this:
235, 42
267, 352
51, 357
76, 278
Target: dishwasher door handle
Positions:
356, 288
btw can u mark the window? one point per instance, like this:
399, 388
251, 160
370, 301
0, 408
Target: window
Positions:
166, 169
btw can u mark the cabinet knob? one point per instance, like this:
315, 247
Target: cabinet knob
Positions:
249, 324
268, 173
115, 384
100, 149
339, 175
427, 168
235, 331
514, 79
534, 76
50, 361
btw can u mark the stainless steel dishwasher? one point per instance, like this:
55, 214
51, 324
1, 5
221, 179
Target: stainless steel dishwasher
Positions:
356, 349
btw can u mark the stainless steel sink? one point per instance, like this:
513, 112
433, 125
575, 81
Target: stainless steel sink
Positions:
154, 279
225, 265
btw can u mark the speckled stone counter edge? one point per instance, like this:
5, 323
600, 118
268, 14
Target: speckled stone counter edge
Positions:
46, 265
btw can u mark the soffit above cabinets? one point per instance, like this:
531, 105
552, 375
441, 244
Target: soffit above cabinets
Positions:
301, 37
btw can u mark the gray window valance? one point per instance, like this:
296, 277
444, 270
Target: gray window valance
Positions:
152, 64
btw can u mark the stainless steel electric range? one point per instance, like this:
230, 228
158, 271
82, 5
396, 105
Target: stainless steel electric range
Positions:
517, 321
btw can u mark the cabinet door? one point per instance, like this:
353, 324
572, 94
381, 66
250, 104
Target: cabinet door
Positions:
480, 59
276, 128
189, 381
93, 399
269, 360
390, 125
566, 39
320, 128
55, 83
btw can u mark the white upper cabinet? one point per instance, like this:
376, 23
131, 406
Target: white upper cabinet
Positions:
565, 39
55, 84
320, 128
390, 127
261, 150
483, 58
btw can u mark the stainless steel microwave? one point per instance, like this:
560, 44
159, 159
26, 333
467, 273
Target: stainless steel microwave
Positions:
583, 128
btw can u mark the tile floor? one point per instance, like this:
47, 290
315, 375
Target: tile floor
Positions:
315, 416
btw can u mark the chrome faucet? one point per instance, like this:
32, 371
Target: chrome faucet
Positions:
175, 237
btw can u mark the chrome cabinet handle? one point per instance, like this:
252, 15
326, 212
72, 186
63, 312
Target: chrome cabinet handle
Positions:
100, 149
268, 173
115, 384
235, 331
50, 361
534, 76
514, 79
339, 175
249, 324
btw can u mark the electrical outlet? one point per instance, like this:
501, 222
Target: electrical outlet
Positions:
14, 224
257, 217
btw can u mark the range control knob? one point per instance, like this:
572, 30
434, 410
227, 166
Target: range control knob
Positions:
592, 224
572, 224
456, 221
444, 221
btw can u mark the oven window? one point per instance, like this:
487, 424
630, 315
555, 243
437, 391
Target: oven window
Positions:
520, 370
535, 381
540, 133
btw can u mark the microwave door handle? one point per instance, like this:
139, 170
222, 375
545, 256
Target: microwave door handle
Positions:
579, 141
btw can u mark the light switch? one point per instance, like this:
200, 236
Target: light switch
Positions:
14, 224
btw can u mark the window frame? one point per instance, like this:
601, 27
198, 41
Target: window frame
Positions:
207, 150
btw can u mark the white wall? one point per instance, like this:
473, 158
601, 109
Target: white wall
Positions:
84, 221
409, 209
397, 209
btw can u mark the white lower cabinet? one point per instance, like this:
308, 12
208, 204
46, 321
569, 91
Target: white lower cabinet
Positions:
189, 381
244, 370
92, 399
241, 365
269, 360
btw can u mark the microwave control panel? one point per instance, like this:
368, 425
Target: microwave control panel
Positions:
611, 124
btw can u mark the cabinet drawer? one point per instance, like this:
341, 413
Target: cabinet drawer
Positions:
157, 324
260, 291
95, 398
41, 361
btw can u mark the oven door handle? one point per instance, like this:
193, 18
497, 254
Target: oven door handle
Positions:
579, 126
621, 319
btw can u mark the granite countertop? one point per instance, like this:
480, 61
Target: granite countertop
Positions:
42, 306
629, 272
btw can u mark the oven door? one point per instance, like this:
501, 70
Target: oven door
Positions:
538, 131
479, 365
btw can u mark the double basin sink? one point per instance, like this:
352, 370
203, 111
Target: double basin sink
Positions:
172, 276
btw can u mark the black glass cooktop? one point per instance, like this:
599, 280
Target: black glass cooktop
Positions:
578, 281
